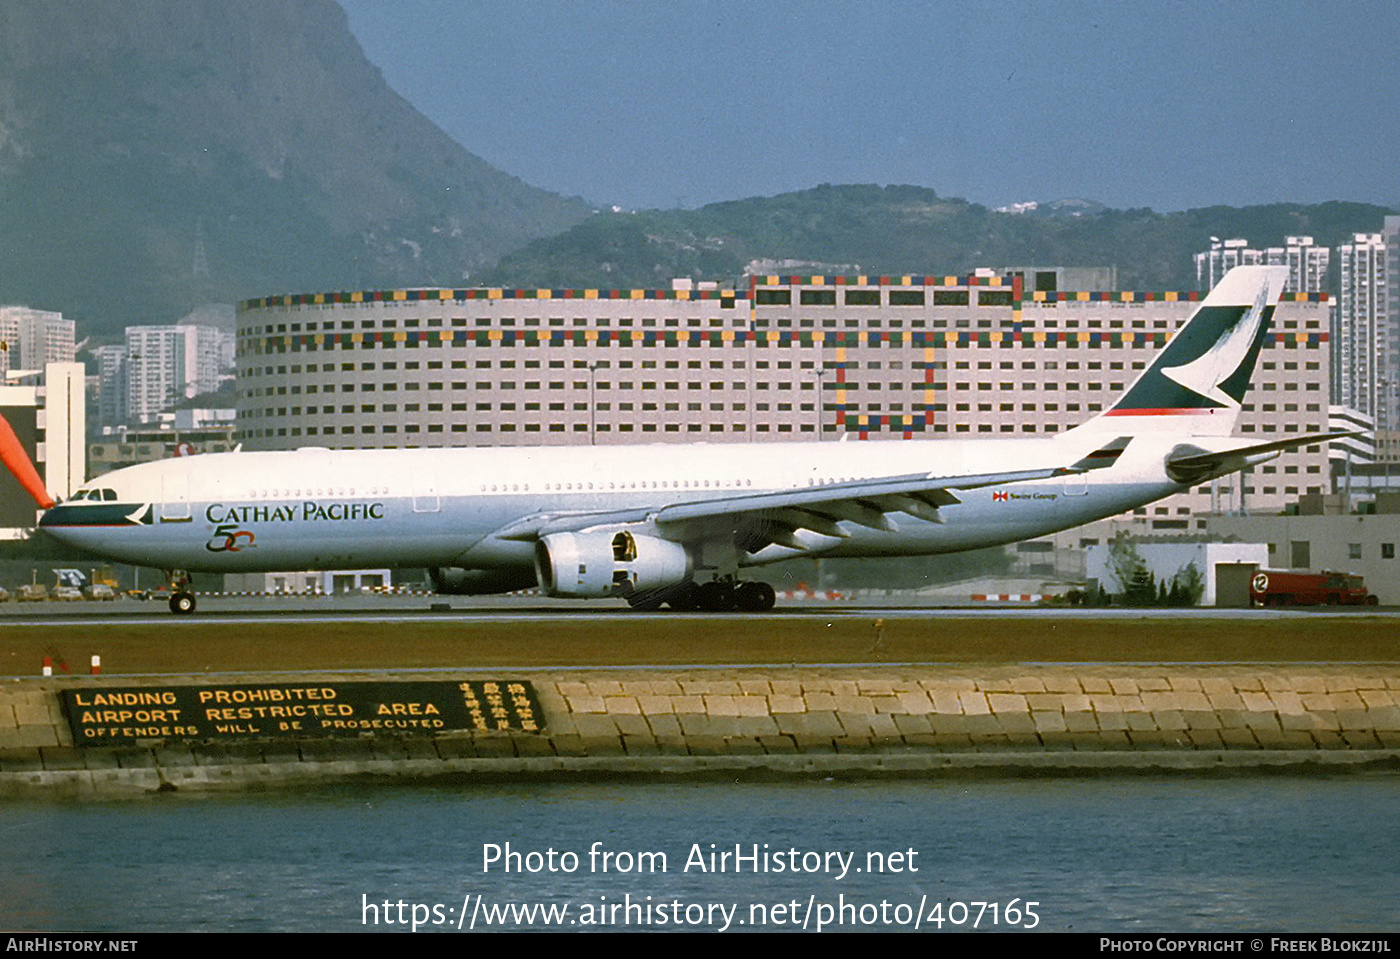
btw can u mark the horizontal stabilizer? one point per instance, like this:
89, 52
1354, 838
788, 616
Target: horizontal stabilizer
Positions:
1190, 464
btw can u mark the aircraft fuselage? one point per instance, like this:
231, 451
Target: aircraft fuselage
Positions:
324, 509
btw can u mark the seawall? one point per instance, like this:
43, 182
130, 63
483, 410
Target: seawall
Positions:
776, 721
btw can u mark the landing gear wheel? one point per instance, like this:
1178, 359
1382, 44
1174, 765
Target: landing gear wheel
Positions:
754, 597
647, 600
182, 604
684, 599
715, 597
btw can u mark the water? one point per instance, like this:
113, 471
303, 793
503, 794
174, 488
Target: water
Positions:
1130, 854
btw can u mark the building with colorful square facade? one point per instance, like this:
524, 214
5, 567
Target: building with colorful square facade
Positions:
775, 358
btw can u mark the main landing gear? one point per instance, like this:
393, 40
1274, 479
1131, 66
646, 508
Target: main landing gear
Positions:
181, 599
716, 596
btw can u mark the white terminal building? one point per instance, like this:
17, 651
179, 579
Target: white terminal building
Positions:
42, 398
47, 411
777, 358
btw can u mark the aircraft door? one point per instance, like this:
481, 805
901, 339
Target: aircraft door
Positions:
425, 493
1076, 484
175, 496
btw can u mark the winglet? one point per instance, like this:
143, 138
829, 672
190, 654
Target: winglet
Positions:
16, 460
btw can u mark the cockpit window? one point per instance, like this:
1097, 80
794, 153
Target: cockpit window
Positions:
110, 495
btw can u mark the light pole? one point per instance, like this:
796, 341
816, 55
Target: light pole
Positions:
820, 372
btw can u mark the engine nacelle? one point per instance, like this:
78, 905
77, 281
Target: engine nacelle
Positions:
456, 581
608, 563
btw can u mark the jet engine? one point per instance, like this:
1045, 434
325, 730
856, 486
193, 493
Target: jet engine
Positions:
456, 581
608, 563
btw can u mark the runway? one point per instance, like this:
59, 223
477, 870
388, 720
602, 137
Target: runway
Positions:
389, 633
500, 609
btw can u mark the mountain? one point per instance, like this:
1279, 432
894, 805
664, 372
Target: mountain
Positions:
162, 153
906, 229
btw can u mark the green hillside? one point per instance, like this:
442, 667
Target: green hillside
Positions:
904, 229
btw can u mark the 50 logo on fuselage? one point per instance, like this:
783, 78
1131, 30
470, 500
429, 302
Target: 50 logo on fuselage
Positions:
229, 539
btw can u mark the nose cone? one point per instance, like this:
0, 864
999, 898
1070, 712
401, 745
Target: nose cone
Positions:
105, 529
58, 524
52, 518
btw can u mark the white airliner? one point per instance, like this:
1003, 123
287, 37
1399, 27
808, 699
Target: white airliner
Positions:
675, 525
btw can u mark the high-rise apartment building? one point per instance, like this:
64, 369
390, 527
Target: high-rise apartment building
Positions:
1222, 257
1390, 235
1306, 261
167, 364
31, 338
111, 384
1364, 371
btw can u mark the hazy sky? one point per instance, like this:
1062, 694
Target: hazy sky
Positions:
658, 104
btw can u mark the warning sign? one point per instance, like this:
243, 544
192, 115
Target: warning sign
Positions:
300, 710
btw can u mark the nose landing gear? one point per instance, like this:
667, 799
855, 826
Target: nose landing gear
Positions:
181, 599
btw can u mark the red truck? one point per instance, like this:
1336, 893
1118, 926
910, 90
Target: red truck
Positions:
1327, 588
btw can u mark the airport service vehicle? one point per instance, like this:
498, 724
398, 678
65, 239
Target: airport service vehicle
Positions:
100, 591
32, 593
102, 584
1282, 588
75, 584
675, 525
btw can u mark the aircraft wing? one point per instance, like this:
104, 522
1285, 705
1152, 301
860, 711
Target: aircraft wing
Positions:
775, 517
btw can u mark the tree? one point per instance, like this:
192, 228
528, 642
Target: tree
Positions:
1139, 587
1189, 584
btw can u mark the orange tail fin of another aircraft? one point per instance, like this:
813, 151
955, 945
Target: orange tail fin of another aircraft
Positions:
12, 454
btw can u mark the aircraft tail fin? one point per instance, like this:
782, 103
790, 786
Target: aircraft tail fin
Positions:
17, 461
1201, 376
